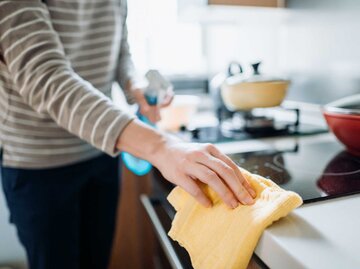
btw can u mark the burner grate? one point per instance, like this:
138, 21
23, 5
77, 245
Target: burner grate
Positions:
259, 126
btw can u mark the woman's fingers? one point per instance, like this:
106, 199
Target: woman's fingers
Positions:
211, 178
157, 113
152, 112
149, 112
227, 174
230, 177
190, 186
216, 153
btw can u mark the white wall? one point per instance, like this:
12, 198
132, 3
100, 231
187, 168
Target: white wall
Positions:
316, 43
158, 40
320, 44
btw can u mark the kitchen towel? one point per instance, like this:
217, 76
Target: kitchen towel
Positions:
223, 238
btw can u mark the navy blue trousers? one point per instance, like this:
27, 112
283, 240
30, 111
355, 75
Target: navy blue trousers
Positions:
65, 217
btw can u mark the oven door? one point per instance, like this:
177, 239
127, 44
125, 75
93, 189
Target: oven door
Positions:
161, 214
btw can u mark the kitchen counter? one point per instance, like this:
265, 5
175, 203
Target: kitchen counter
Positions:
323, 234
320, 235
317, 235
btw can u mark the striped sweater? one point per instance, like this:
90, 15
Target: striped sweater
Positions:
59, 61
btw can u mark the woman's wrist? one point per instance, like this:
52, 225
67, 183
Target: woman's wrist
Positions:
161, 150
143, 141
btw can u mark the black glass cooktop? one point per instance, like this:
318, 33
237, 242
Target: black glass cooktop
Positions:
316, 171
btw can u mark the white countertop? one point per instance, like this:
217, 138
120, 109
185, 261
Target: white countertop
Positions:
318, 235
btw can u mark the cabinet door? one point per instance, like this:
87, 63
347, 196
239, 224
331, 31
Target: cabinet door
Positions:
257, 3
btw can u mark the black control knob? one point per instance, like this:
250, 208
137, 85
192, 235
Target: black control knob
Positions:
195, 133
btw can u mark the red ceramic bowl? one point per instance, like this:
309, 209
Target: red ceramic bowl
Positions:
343, 118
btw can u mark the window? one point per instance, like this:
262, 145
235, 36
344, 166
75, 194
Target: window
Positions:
159, 40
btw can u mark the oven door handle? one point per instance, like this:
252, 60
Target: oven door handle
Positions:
161, 234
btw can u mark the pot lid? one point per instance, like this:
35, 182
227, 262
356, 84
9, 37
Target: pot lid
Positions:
237, 76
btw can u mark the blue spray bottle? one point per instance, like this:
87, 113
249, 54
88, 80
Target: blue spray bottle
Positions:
154, 93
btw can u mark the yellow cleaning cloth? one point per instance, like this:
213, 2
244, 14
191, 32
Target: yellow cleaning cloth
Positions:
223, 238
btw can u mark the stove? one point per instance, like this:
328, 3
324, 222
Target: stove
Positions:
259, 123
317, 169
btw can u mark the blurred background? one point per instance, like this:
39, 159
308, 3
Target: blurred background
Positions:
315, 43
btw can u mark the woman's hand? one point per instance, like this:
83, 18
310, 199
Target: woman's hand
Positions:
152, 112
186, 164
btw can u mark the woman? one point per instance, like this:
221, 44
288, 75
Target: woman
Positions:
58, 62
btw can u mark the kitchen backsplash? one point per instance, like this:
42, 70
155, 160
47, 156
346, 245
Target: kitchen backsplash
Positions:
317, 44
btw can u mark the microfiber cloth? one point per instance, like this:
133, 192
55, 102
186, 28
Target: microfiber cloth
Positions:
223, 238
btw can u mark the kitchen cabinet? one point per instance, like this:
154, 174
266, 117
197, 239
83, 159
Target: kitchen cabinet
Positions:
244, 12
255, 3
134, 240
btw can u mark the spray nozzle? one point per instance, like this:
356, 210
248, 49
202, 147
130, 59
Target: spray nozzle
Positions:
157, 85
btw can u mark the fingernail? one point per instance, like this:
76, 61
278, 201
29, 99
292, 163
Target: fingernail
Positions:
234, 204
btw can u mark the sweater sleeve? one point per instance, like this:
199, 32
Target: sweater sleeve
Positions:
43, 76
125, 70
